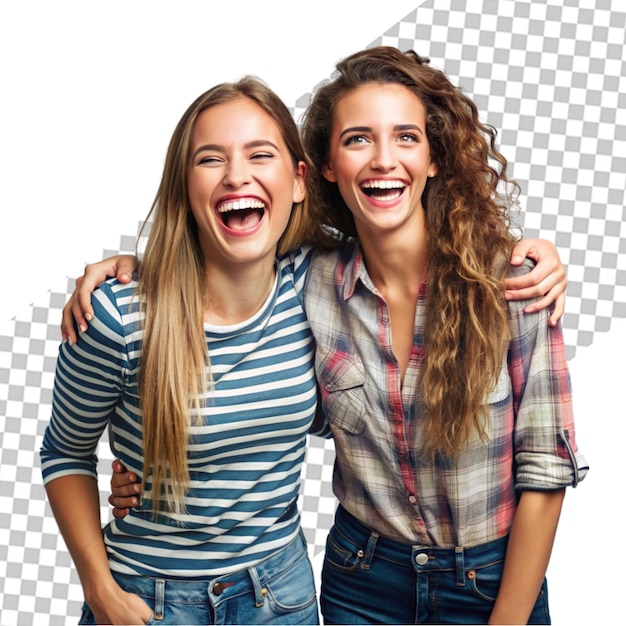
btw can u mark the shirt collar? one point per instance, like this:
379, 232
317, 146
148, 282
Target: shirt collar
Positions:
355, 270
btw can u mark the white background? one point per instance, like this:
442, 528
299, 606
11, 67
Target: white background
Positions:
91, 93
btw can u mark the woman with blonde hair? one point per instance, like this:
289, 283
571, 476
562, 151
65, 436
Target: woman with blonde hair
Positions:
202, 369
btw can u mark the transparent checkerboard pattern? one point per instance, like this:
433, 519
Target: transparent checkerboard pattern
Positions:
550, 76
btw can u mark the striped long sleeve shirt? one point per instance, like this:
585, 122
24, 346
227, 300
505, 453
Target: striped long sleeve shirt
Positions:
244, 456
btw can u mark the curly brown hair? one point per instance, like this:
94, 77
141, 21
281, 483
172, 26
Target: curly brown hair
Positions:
467, 206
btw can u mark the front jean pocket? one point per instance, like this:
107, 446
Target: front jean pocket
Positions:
87, 618
341, 553
484, 582
293, 589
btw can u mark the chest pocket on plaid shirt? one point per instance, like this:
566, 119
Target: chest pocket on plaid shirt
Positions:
342, 377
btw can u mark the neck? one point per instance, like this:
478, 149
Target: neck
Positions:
395, 260
236, 293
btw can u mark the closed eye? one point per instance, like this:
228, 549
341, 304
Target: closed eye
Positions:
262, 155
210, 160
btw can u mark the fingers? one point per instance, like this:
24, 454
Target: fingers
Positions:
118, 467
128, 490
124, 496
559, 309
119, 480
525, 288
125, 488
521, 251
545, 294
124, 267
122, 503
548, 291
119, 513
68, 328
547, 281
78, 311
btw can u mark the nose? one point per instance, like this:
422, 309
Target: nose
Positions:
237, 172
384, 158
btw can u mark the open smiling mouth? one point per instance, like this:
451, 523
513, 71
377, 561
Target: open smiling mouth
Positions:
383, 189
241, 214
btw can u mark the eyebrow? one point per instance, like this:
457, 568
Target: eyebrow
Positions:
363, 129
216, 147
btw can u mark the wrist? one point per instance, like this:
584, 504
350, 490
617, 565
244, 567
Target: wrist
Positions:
99, 591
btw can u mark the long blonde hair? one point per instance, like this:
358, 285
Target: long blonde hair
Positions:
173, 292
469, 240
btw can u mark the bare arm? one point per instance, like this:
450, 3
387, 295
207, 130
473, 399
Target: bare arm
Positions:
75, 504
78, 311
547, 281
530, 544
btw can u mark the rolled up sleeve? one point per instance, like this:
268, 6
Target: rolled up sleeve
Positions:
546, 453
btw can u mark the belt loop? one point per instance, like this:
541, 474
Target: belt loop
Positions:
460, 566
369, 550
259, 592
159, 598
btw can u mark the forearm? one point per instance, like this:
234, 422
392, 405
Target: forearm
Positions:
76, 507
528, 553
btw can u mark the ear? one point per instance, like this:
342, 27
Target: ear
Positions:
328, 173
433, 170
299, 182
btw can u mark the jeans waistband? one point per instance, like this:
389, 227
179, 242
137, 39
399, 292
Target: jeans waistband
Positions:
418, 557
219, 588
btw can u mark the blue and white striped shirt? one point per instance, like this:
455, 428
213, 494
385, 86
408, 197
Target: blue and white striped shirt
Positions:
245, 455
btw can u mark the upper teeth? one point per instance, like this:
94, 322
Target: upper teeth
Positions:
383, 184
238, 205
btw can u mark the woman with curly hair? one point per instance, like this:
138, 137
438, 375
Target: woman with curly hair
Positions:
450, 408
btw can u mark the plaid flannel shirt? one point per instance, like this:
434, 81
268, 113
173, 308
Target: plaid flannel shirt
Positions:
380, 476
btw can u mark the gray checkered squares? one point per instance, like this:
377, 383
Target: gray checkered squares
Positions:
317, 501
36, 571
549, 75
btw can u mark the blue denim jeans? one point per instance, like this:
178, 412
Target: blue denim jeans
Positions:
369, 579
279, 590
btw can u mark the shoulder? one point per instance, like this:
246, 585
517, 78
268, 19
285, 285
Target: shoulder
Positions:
329, 259
529, 328
516, 307
526, 267
296, 259
113, 290
115, 303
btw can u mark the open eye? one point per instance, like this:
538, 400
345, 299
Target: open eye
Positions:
355, 140
409, 138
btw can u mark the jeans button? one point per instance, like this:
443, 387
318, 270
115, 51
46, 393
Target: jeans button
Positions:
219, 588
421, 558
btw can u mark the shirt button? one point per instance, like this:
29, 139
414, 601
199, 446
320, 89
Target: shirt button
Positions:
412, 499
421, 559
